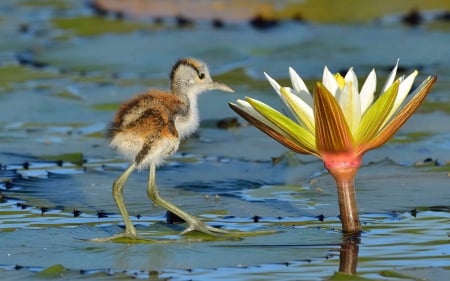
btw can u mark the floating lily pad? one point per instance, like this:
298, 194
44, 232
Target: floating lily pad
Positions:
340, 276
57, 4
411, 137
93, 26
52, 272
106, 106
394, 274
15, 74
68, 95
315, 10
75, 158
432, 106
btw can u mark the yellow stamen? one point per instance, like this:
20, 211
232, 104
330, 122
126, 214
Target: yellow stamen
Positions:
340, 80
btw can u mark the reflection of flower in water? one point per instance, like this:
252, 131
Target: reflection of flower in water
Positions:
338, 123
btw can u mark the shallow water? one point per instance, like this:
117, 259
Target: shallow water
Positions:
61, 81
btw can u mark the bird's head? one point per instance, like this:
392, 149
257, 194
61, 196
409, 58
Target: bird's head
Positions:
191, 77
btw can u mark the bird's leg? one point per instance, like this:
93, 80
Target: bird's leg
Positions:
117, 191
193, 222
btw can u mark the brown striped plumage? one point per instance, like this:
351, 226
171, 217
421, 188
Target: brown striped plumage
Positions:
143, 123
129, 113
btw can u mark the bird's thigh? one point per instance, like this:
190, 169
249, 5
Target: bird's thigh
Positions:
169, 146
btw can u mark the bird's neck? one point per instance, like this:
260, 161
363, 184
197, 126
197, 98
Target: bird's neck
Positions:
188, 122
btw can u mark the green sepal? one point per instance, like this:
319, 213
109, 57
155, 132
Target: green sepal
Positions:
273, 132
375, 116
298, 133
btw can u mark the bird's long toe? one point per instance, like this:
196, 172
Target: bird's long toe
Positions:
197, 225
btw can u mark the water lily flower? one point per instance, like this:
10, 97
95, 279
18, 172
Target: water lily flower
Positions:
338, 123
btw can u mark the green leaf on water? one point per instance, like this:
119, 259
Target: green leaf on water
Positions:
67, 95
393, 274
433, 106
411, 137
112, 106
15, 74
75, 158
54, 271
135, 241
341, 276
92, 26
443, 168
56, 4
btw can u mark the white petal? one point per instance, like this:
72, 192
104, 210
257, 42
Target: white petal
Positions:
300, 87
304, 104
350, 76
306, 97
391, 78
351, 105
403, 89
297, 81
329, 81
274, 84
245, 106
367, 91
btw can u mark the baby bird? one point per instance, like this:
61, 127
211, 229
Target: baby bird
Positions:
148, 128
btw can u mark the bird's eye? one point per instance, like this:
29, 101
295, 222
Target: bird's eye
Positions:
201, 75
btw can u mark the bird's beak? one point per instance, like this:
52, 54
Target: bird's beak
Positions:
220, 86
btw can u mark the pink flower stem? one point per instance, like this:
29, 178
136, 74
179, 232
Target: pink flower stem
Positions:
345, 183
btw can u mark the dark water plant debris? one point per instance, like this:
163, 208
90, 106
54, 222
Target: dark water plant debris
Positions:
263, 23
413, 18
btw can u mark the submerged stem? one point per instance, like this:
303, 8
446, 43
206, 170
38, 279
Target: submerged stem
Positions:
348, 260
348, 207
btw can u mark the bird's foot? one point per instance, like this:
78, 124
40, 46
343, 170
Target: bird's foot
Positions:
204, 228
199, 226
210, 232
